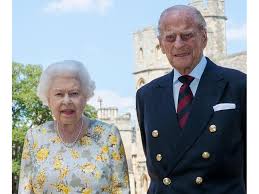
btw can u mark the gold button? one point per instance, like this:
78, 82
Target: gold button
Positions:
213, 128
199, 180
155, 133
158, 157
167, 181
205, 155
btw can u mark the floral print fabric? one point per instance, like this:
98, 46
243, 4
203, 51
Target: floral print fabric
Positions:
96, 164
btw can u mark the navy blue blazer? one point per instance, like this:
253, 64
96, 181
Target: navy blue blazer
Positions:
208, 156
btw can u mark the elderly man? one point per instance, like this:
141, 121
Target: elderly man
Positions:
193, 120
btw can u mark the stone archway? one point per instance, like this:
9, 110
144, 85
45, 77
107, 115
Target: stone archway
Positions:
140, 83
144, 183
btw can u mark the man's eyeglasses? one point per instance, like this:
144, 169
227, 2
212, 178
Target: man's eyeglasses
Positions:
184, 36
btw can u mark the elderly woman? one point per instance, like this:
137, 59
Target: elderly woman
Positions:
72, 154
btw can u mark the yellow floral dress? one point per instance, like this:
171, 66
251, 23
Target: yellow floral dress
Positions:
96, 164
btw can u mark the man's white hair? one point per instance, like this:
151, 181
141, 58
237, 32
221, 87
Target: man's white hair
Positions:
194, 13
74, 68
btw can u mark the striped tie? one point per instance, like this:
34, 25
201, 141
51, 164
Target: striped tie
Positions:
184, 100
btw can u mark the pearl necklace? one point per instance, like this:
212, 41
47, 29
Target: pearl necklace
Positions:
70, 145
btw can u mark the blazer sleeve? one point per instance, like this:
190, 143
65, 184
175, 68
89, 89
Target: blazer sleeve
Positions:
120, 176
140, 116
244, 127
25, 181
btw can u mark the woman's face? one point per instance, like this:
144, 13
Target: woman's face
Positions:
66, 100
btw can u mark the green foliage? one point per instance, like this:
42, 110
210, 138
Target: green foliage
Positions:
15, 167
90, 112
27, 109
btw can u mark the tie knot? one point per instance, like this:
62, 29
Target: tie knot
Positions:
186, 79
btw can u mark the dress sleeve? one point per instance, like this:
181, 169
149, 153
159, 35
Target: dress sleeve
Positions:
25, 181
120, 176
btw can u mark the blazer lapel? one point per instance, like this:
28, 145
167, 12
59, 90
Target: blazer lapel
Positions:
208, 93
166, 114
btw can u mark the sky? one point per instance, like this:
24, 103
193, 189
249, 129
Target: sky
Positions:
99, 33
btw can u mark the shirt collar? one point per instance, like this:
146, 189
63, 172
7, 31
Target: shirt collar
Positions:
196, 72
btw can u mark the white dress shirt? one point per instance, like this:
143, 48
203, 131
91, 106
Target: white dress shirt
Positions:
196, 73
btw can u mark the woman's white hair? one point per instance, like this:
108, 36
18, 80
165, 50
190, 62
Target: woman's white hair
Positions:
71, 67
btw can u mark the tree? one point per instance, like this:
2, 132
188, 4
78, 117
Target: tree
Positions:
27, 110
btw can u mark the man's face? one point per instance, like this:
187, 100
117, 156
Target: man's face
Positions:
182, 40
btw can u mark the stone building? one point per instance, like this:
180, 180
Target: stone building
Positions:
150, 63
127, 131
133, 147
